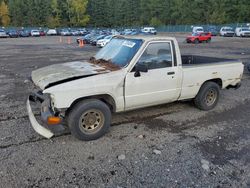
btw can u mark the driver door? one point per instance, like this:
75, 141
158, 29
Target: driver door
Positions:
161, 84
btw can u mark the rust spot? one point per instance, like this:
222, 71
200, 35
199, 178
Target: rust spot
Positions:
105, 64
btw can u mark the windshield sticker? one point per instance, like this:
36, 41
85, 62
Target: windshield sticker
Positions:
128, 44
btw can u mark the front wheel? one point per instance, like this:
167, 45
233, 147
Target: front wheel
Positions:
89, 119
208, 96
208, 40
196, 41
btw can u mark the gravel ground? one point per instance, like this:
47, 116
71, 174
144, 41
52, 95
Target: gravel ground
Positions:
172, 145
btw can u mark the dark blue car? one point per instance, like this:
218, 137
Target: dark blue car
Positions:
13, 34
23, 33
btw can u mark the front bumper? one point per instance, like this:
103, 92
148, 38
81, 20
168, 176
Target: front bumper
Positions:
100, 45
43, 129
36, 126
229, 34
246, 35
189, 40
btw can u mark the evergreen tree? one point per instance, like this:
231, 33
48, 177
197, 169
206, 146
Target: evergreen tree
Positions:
123, 13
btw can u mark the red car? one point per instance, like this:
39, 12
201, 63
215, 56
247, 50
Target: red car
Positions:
199, 37
42, 33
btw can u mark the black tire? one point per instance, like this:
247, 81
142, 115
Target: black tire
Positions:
208, 96
208, 40
196, 41
248, 67
85, 124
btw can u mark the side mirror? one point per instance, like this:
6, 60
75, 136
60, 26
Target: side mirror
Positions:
140, 68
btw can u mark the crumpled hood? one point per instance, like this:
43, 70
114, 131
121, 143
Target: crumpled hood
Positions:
59, 73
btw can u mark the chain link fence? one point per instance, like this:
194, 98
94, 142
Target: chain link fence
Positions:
166, 28
188, 28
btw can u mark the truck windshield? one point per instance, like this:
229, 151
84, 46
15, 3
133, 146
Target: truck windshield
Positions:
119, 51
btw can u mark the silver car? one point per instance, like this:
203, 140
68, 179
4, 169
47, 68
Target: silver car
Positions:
3, 34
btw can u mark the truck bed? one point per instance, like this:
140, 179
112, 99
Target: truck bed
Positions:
188, 60
198, 69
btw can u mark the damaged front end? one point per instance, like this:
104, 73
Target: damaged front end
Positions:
50, 122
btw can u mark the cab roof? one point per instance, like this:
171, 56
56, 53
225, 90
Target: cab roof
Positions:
148, 38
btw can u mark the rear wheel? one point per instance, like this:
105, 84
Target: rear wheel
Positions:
208, 96
89, 119
196, 41
208, 40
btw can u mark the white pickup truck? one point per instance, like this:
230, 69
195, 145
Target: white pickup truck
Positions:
128, 73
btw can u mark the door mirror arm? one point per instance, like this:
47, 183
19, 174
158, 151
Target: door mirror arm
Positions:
140, 68
137, 74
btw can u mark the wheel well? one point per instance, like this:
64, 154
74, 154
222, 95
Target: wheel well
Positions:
107, 99
216, 80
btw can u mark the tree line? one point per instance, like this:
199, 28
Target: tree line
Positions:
120, 13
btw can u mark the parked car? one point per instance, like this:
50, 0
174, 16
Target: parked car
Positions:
65, 32
227, 32
149, 30
103, 42
114, 32
242, 32
51, 32
127, 74
23, 33
82, 31
198, 30
3, 34
199, 37
94, 40
35, 33
13, 34
212, 30
127, 31
75, 32
85, 39
42, 33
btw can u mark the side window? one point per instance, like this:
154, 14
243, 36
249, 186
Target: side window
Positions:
157, 55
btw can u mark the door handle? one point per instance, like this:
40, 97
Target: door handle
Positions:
171, 73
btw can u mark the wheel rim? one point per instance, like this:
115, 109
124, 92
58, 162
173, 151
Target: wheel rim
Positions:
211, 97
91, 121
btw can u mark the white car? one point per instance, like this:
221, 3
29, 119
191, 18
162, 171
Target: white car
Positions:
115, 32
3, 34
227, 32
242, 32
149, 30
52, 32
198, 30
65, 32
103, 42
127, 74
75, 32
82, 31
35, 33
